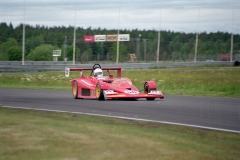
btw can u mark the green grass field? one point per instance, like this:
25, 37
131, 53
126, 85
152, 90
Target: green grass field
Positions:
37, 135
206, 81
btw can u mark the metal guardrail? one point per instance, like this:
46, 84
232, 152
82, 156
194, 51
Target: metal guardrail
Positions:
60, 65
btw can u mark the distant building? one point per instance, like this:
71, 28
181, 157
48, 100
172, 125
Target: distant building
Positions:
237, 57
224, 57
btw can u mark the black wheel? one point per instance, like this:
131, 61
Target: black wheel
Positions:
99, 93
75, 90
147, 90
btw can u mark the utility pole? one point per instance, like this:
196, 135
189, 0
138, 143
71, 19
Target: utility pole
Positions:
145, 53
117, 56
23, 38
138, 46
65, 49
159, 31
74, 34
196, 45
158, 47
74, 44
196, 42
231, 49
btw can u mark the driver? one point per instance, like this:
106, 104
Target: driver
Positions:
98, 72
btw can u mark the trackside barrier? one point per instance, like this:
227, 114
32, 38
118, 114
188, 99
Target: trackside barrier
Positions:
52, 65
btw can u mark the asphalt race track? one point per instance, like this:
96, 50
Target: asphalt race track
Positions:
204, 112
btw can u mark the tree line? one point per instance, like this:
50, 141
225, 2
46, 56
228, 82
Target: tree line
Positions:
40, 41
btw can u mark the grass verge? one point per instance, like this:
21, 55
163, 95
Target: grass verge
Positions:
202, 81
27, 134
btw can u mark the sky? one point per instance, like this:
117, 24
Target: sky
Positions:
189, 16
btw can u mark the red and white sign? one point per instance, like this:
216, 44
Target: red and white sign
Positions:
88, 38
100, 38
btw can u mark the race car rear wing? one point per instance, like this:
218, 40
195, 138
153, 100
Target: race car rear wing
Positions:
118, 69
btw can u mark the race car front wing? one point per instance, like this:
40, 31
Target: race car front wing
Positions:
110, 94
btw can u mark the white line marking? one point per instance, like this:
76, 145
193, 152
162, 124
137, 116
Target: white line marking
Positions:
128, 118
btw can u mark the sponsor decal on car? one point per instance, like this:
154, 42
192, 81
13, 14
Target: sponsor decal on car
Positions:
131, 92
87, 83
110, 92
155, 92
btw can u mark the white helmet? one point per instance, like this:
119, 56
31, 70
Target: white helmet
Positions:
98, 72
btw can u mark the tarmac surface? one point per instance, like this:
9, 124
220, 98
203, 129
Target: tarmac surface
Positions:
202, 112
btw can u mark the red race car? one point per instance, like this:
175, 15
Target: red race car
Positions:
103, 87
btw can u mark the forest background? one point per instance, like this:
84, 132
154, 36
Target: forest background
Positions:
40, 41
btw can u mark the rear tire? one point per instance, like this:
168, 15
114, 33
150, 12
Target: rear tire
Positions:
147, 90
99, 93
75, 90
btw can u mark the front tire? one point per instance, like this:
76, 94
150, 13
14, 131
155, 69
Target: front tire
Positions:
75, 90
99, 93
147, 90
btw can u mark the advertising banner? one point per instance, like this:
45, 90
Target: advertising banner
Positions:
100, 38
108, 38
88, 38
124, 37
111, 38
